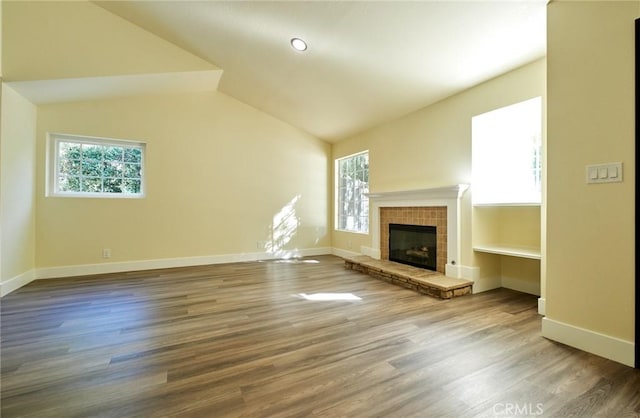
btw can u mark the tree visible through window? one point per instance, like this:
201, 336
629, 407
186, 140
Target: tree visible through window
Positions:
96, 167
352, 182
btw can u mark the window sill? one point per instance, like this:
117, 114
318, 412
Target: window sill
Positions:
351, 232
97, 195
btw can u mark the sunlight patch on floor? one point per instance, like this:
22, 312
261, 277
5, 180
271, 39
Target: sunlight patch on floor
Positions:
329, 296
297, 261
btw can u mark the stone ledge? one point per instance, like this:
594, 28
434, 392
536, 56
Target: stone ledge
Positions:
424, 281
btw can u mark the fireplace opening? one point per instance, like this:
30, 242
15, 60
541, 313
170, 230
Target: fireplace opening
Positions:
414, 245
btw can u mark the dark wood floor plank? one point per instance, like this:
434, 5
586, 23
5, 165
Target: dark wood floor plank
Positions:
241, 340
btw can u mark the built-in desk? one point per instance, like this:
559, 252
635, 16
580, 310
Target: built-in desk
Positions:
510, 250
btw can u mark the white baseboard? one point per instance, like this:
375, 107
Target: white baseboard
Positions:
470, 273
17, 282
344, 253
524, 286
459, 271
542, 306
371, 252
88, 269
482, 284
486, 283
593, 342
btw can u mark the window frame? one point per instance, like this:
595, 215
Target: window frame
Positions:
53, 165
338, 212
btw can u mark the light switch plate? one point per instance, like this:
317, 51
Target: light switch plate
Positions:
604, 173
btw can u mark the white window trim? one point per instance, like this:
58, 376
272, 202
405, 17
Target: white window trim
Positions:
336, 191
52, 165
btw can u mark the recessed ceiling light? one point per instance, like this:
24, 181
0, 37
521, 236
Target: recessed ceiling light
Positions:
298, 44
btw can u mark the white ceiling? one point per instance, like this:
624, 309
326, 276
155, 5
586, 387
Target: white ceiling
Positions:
367, 62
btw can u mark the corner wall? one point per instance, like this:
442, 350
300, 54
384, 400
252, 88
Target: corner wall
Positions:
17, 190
590, 234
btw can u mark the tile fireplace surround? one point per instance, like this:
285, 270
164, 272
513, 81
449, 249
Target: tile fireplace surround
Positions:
439, 207
429, 216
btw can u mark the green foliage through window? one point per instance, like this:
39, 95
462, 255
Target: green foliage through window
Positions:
96, 166
352, 186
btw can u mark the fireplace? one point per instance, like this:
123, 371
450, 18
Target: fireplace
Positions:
435, 217
437, 207
415, 245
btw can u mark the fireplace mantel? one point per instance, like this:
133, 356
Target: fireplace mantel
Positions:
442, 196
450, 192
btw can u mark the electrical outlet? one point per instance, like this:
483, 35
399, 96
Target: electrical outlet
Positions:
106, 253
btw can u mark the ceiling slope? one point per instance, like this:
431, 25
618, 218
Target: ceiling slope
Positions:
65, 51
367, 62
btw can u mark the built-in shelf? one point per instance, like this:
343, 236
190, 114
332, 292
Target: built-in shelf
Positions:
510, 250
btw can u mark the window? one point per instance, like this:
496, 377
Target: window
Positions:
506, 154
352, 211
95, 167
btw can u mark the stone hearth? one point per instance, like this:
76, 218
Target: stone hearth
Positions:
424, 281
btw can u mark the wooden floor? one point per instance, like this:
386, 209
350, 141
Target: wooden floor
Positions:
241, 340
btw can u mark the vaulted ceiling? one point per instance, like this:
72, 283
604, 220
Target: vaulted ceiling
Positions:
367, 61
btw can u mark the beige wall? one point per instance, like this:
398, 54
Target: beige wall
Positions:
17, 186
432, 147
1, 6
590, 233
1, 32
220, 177
69, 39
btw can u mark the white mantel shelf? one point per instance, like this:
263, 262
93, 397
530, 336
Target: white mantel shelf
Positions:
450, 192
438, 196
